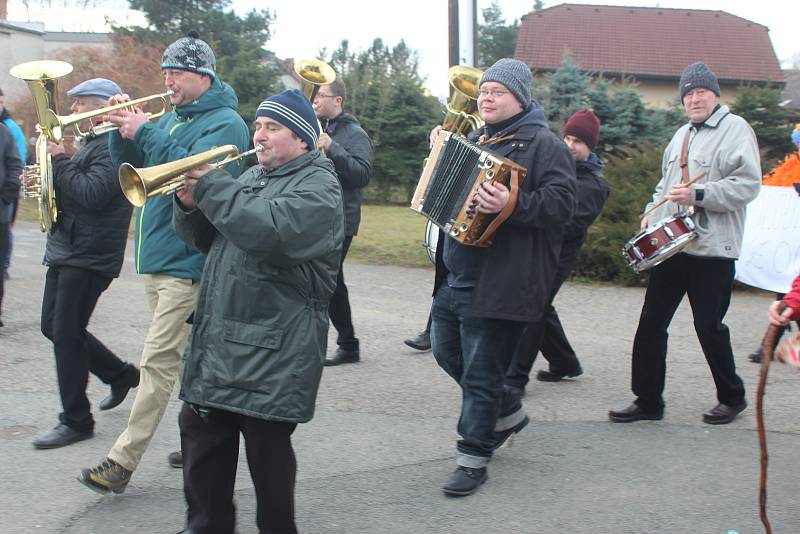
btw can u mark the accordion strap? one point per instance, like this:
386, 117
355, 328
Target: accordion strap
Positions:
487, 235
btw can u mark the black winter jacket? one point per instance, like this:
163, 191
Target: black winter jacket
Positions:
351, 154
593, 192
519, 268
10, 169
93, 214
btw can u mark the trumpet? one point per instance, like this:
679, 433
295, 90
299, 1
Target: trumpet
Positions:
42, 78
140, 184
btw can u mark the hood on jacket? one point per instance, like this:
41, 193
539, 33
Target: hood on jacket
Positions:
219, 95
534, 116
591, 164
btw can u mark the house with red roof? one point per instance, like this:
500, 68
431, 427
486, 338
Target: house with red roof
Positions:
651, 46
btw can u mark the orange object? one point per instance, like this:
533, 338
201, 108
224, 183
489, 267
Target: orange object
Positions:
785, 173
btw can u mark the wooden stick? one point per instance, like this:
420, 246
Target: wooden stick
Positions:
664, 200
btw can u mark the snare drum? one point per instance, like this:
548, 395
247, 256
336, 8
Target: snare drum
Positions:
659, 242
431, 240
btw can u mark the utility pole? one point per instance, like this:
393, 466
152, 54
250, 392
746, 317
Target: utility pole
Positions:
462, 16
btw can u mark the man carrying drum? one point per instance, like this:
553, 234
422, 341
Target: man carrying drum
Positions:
722, 147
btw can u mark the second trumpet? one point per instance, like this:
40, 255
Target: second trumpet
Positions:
139, 184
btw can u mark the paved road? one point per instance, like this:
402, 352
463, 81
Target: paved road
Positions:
382, 441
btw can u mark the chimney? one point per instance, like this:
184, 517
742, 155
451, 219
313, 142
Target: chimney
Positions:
3, 9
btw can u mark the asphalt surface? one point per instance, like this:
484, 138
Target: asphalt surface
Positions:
383, 440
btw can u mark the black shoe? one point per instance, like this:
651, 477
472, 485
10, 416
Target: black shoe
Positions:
342, 356
722, 414
550, 376
118, 394
421, 341
635, 413
175, 459
61, 436
465, 481
502, 436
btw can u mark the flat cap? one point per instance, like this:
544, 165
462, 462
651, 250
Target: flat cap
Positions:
96, 87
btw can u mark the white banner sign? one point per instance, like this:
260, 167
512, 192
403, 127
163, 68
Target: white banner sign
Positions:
770, 257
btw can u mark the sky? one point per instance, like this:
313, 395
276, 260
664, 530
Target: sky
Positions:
302, 29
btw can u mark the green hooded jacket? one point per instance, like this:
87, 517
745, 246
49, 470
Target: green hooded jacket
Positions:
260, 330
208, 122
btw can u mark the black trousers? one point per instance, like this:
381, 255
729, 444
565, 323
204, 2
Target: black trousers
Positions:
70, 296
708, 283
339, 308
210, 456
3, 253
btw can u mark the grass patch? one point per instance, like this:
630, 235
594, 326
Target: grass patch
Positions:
389, 235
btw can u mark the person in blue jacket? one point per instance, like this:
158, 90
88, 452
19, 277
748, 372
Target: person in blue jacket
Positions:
19, 140
204, 116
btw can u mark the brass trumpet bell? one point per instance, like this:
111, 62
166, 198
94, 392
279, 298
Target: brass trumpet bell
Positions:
462, 104
314, 73
42, 78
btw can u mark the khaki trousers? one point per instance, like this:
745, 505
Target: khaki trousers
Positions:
171, 300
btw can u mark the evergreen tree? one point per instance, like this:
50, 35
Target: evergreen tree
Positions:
238, 42
760, 106
496, 39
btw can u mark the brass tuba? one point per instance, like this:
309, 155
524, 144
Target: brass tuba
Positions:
462, 116
314, 73
140, 184
37, 182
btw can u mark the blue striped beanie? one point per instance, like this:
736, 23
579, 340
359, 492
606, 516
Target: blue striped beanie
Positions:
292, 109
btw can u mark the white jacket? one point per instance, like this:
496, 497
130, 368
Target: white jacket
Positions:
725, 147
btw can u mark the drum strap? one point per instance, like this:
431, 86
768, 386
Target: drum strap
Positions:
684, 162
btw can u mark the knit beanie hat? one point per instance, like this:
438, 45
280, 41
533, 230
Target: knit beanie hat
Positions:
698, 75
292, 109
515, 75
584, 125
190, 53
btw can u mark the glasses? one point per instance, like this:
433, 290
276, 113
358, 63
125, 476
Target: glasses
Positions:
495, 93
320, 95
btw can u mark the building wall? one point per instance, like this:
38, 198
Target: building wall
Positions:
17, 47
662, 94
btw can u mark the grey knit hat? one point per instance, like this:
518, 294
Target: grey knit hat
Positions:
190, 53
698, 75
515, 75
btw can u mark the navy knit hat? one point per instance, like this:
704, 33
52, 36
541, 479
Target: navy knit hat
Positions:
292, 109
584, 125
515, 75
190, 53
698, 75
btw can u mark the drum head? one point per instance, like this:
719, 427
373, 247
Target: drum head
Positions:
431, 240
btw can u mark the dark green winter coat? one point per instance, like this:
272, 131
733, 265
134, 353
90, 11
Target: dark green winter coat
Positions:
274, 241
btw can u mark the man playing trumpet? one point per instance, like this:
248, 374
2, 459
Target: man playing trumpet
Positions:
204, 117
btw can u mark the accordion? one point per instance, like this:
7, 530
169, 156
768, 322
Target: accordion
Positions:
453, 173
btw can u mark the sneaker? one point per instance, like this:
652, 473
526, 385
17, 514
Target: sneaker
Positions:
175, 459
105, 477
421, 341
465, 481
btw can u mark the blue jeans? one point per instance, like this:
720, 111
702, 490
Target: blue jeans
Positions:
476, 353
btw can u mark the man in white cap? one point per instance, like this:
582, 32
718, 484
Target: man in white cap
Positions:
723, 147
483, 298
255, 354
84, 253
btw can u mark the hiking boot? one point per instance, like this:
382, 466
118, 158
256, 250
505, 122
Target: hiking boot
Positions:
105, 477
465, 481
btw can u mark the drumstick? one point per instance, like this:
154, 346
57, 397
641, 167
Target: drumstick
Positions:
664, 200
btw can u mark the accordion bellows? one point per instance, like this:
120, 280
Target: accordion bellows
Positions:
453, 172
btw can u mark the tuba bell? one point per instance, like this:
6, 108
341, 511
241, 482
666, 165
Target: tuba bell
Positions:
314, 74
462, 116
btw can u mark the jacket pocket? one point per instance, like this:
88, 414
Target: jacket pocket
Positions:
247, 361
